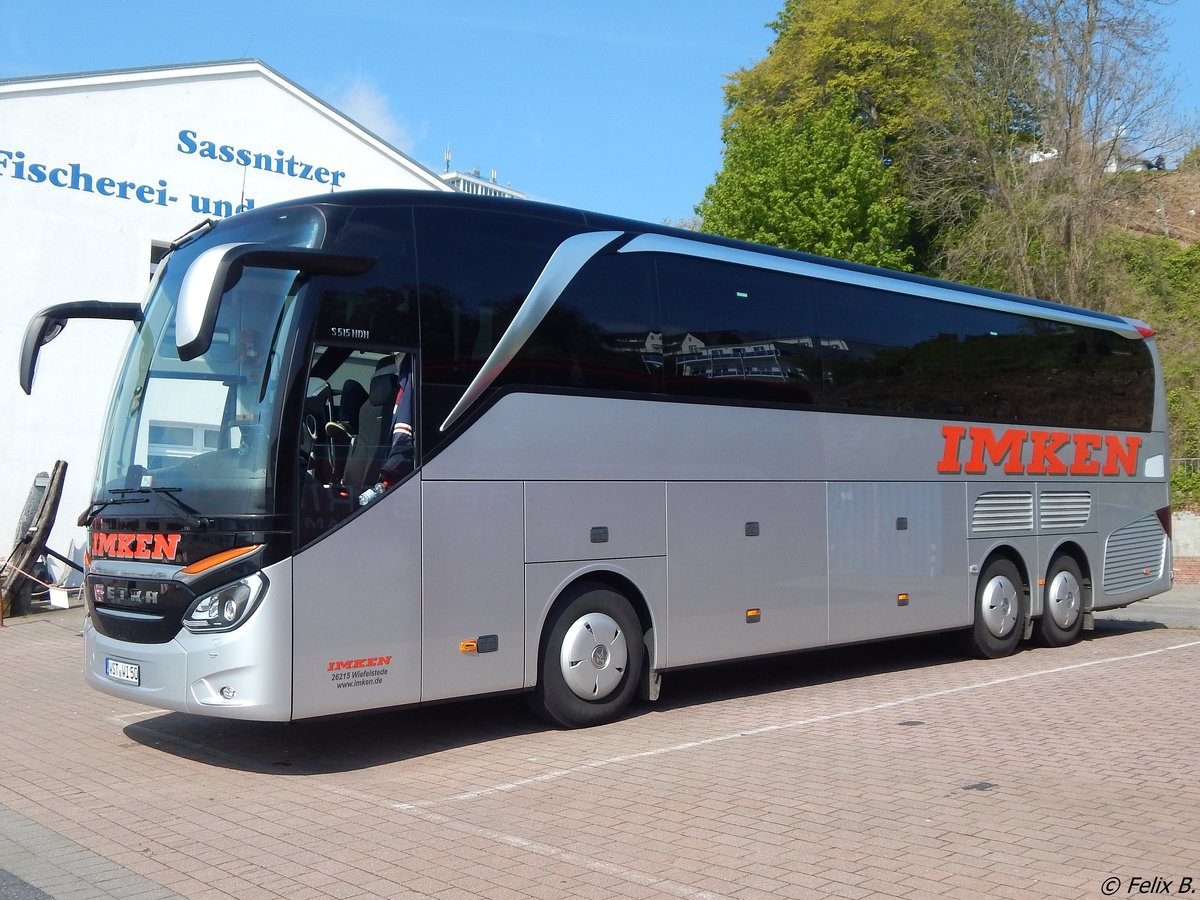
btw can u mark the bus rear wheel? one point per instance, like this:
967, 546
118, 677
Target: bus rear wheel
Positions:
590, 660
1062, 606
998, 611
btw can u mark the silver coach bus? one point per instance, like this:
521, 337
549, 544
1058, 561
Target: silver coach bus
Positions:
381, 448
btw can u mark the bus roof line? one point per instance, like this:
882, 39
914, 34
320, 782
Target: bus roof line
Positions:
564, 264
661, 243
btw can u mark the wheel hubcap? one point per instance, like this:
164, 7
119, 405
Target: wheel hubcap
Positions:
1062, 599
1000, 606
594, 656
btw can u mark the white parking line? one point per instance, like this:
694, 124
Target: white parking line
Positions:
556, 774
424, 809
538, 848
124, 718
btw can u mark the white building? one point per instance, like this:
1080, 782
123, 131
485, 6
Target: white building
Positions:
98, 172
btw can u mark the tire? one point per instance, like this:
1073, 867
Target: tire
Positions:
1061, 621
999, 611
591, 658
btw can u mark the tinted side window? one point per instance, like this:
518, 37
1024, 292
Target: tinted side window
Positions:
735, 332
380, 306
476, 268
904, 355
602, 334
1020, 369
886, 352
1121, 373
1053, 373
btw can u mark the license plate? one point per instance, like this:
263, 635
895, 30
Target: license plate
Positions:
130, 673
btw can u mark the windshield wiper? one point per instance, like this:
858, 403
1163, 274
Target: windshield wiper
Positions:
96, 506
191, 516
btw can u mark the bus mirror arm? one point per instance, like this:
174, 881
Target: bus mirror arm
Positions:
220, 268
49, 323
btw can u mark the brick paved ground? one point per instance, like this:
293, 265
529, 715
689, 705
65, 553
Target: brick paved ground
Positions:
895, 770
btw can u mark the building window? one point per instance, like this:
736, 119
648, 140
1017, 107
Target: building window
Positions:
170, 442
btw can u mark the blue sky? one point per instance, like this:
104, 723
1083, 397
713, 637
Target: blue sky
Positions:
614, 106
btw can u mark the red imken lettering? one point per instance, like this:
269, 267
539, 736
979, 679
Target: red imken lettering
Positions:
974, 450
135, 546
366, 662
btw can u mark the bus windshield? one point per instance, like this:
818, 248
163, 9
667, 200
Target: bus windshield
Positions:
200, 431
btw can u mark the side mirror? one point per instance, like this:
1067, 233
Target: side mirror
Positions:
219, 269
49, 323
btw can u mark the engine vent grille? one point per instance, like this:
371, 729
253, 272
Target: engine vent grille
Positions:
1003, 511
1064, 509
1134, 555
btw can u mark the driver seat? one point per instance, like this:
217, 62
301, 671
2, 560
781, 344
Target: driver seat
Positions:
374, 428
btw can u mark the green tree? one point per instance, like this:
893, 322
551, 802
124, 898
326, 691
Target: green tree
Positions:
1048, 204
888, 55
1107, 102
1009, 122
819, 186
970, 152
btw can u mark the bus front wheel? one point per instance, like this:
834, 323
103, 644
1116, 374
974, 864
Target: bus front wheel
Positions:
1062, 608
998, 611
591, 658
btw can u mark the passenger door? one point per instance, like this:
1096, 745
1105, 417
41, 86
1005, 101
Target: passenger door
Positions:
357, 583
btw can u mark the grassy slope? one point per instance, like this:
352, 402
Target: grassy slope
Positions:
1151, 271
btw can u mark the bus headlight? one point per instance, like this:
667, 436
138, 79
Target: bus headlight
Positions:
226, 608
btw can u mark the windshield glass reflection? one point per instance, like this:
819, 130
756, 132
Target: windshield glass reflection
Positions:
202, 429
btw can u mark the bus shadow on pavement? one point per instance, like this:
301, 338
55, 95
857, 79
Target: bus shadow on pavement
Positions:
351, 743
1110, 627
342, 744
745, 678
809, 668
